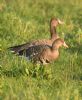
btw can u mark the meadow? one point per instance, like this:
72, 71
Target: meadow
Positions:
27, 20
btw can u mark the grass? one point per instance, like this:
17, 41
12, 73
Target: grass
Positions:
25, 20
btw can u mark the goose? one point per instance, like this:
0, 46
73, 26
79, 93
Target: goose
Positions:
49, 53
53, 24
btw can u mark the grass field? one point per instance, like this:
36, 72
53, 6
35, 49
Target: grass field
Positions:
25, 20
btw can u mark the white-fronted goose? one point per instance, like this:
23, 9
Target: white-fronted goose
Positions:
49, 53
53, 24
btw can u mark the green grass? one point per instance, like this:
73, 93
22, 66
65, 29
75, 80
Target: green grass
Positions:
25, 20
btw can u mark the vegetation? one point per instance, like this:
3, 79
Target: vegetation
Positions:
25, 20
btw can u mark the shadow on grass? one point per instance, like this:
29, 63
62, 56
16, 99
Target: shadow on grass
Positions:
74, 46
18, 72
12, 73
75, 49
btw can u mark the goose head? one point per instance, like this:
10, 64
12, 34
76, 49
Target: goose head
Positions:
53, 24
59, 43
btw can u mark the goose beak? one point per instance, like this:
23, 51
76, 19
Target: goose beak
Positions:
65, 45
60, 22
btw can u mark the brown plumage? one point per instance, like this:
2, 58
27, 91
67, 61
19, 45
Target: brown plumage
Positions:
49, 54
24, 47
